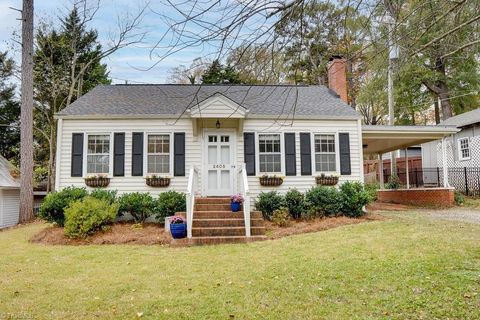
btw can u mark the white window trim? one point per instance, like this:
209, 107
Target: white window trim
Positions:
459, 142
337, 153
85, 153
282, 154
145, 153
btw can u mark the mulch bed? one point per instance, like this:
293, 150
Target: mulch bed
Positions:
315, 225
118, 233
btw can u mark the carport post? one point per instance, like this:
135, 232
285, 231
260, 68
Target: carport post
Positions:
444, 163
406, 169
380, 170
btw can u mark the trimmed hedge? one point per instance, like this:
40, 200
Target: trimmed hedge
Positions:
55, 203
267, 202
138, 204
169, 203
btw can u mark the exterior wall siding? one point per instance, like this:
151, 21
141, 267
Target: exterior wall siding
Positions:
193, 150
9, 207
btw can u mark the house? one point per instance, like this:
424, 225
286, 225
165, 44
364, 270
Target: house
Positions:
9, 195
462, 153
219, 140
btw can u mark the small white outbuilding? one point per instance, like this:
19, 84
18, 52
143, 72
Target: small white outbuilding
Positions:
9, 195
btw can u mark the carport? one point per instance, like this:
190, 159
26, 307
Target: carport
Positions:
377, 140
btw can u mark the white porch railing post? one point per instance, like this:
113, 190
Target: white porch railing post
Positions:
380, 171
444, 163
406, 169
246, 202
190, 198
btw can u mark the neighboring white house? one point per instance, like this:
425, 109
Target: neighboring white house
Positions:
9, 195
463, 147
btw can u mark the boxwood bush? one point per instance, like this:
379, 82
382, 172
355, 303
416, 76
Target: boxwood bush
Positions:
322, 201
353, 198
139, 205
267, 202
295, 202
88, 215
102, 194
170, 202
55, 203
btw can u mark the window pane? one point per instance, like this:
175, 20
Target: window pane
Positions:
158, 164
269, 152
98, 163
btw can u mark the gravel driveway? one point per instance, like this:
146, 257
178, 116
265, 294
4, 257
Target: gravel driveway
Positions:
456, 214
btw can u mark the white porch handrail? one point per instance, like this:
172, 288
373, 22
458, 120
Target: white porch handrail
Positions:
246, 195
190, 197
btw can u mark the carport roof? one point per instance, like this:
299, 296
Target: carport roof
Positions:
382, 139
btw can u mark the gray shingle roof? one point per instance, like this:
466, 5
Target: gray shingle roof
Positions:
463, 119
6, 179
168, 99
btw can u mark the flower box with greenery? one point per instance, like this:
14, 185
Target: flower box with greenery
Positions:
97, 180
178, 227
235, 202
325, 180
271, 181
157, 181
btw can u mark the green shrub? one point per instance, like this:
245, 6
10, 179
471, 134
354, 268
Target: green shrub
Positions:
322, 201
54, 204
295, 202
393, 182
267, 202
170, 202
353, 198
140, 205
372, 189
459, 198
88, 215
281, 217
102, 194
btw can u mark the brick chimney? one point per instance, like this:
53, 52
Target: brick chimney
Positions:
337, 76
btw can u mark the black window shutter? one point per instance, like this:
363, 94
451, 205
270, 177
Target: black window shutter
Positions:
290, 155
179, 154
249, 152
119, 154
77, 155
344, 141
137, 154
305, 154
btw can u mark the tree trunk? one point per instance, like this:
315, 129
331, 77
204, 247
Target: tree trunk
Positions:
26, 117
444, 100
437, 110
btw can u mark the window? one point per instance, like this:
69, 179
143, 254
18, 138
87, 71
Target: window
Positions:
269, 153
158, 153
463, 149
325, 157
98, 153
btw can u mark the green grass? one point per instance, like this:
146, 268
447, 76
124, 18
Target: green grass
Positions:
472, 203
403, 268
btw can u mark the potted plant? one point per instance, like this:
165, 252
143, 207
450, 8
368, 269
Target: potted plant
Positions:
325, 180
235, 202
97, 180
157, 181
178, 227
272, 181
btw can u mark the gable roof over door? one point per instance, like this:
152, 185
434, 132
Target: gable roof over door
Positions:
175, 100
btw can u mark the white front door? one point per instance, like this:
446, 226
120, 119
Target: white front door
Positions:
219, 163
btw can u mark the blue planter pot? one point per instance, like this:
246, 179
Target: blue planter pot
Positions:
178, 230
235, 206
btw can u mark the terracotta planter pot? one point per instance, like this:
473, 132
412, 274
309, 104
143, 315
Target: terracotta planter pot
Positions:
157, 182
271, 181
326, 181
97, 182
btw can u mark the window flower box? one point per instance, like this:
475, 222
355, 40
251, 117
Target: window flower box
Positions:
157, 181
97, 181
271, 181
325, 180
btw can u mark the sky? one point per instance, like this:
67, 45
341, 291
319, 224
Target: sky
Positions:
128, 64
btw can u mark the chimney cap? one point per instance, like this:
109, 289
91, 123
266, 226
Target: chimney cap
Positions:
335, 57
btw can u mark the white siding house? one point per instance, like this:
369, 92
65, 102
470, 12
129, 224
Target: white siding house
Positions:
128, 132
9, 196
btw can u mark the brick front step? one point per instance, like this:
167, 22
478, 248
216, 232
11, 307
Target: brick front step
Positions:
223, 215
212, 207
231, 222
215, 240
225, 231
211, 200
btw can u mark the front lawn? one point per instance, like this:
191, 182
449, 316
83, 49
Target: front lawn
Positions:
404, 267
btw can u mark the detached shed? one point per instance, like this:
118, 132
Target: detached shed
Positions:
9, 195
